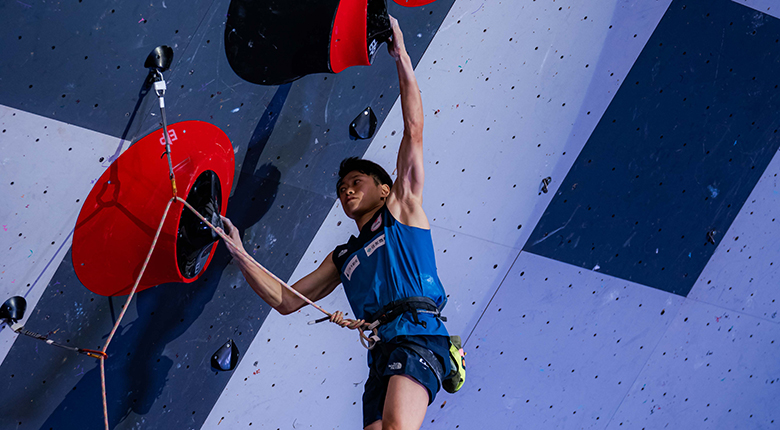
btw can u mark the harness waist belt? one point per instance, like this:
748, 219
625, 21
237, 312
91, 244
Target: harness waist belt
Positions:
414, 305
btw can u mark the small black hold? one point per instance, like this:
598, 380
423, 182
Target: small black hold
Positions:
13, 309
545, 182
226, 357
711, 236
159, 59
364, 125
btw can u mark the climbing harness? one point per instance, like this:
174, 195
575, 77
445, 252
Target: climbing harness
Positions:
414, 305
453, 381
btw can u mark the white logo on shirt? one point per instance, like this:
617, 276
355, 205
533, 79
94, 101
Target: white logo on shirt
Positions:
343, 251
395, 366
379, 241
351, 266
378, 223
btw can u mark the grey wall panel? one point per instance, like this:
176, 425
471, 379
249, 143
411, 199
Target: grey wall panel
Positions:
558, 347
714, 369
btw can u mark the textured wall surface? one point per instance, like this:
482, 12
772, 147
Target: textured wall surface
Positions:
674, 157
560, 332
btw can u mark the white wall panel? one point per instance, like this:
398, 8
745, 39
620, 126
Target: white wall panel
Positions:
322, 368
295, 374
714, 369
558, 347
48, 168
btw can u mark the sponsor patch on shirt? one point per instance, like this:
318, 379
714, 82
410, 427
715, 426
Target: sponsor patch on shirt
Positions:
351, 266
378, 223
376, 243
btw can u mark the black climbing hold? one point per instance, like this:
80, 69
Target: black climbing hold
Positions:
195, 238
160, 58
364, 126
711, 236
226, 357
13, 309
545, 182
273, 42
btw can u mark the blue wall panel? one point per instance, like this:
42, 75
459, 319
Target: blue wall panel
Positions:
677, 152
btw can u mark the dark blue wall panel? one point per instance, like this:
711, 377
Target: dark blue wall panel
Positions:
158, 371
677, 152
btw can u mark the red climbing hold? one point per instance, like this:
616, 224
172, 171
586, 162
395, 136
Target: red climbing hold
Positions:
414, 3
117, 224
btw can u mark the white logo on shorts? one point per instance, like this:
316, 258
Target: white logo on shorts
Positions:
395, 366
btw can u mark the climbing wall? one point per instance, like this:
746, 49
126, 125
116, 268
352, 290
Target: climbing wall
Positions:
601, 181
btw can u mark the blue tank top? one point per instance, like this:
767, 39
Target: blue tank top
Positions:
390, 261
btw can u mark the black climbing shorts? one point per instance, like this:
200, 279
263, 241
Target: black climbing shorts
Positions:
390, 359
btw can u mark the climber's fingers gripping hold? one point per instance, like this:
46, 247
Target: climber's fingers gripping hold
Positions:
234, 244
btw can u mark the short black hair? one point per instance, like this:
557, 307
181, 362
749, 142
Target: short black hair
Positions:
365, 167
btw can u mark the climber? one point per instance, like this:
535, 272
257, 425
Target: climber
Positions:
388, 271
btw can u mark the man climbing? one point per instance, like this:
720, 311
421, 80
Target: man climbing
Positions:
388, 272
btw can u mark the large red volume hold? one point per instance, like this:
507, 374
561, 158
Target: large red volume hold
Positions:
120, 216
348, 39
414, 3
